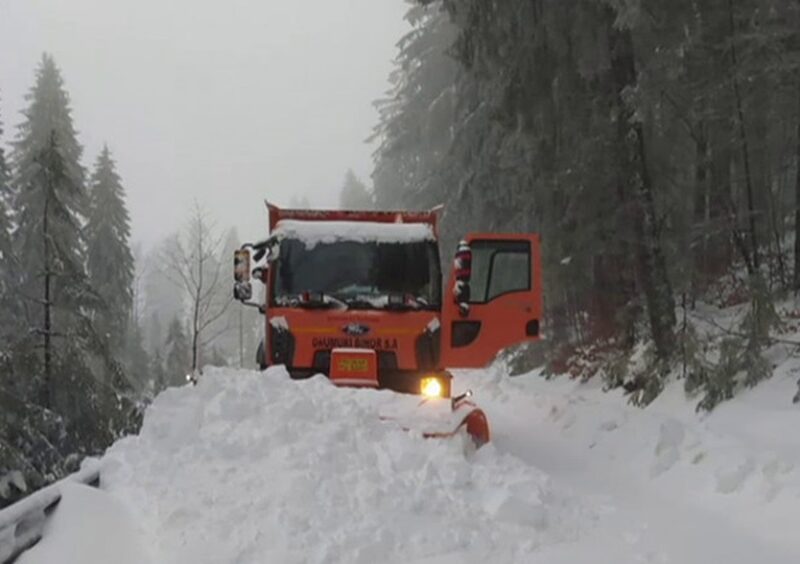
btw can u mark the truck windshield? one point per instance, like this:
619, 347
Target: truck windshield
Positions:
360, 274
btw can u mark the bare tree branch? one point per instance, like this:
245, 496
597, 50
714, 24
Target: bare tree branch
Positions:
194, 267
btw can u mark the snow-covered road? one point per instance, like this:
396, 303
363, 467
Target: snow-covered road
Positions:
250, 468
668, 488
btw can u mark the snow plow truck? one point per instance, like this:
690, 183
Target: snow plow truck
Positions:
358, 296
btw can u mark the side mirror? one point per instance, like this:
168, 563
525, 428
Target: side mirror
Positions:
260, 253
261, 273
461, 292
241, 265
462, 270
243, 289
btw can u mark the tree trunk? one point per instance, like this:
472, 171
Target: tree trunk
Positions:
797, 202
195, 333
776, 224
198, 297
48, 395
748, 178
702, 211
651, 262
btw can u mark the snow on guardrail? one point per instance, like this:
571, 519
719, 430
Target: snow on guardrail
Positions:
22, 524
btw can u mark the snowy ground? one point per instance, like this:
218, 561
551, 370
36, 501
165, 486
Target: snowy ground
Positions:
669, 486
252, 468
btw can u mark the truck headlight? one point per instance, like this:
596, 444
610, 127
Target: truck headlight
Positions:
431, 387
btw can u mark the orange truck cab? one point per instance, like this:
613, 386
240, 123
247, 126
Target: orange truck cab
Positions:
358, 296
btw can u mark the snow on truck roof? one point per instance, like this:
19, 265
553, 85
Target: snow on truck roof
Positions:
313, 233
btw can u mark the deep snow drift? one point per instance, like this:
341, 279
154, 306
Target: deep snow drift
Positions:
250, 468
671, 486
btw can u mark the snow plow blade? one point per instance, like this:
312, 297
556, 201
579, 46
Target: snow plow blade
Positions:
438, 418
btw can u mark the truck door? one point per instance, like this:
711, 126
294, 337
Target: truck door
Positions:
493, 299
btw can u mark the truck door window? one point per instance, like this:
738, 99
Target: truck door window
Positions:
499, 268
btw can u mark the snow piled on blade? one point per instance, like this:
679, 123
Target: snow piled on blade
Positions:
313, 233
253, 467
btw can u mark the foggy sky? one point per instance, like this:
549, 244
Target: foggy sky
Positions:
228, 101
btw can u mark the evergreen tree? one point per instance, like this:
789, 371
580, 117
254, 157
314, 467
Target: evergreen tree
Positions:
50, 239
69, 369
63, 394
135, 359
654, 145
154, 333
178, 359
5, 199
48, 111
6, 253
354, 194
158, 375
50, 202
417, 119
110, 261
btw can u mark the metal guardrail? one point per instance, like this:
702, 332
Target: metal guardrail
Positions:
22, 524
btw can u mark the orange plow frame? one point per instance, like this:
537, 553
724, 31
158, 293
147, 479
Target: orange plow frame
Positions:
475, 422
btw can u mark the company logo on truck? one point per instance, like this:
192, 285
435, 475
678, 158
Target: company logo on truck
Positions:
374, 343
355, 329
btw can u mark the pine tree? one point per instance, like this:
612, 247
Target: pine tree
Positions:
48, 112
69, 366
6, 253
636, 180
50, 197
655, 145
158, 374
417, 119
49, 233
110, 261
5, 199
154, 333
178, 359
134, 358
354, 194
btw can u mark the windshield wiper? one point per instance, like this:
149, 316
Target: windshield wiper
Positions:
361, 303
387, 302
311, 300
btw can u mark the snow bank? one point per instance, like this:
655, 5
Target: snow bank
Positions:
677, 486
312, 233
253, 467
88, 527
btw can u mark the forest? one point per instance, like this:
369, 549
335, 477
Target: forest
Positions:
654, 145
93, 326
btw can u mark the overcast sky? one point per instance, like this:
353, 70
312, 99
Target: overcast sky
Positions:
226, 101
